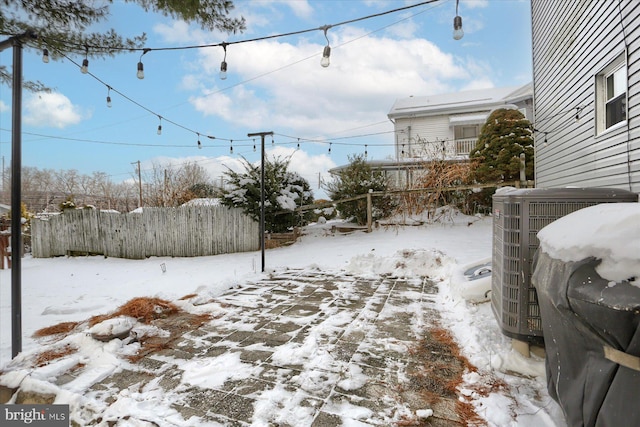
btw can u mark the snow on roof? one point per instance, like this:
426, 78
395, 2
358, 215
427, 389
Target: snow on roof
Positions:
471, 100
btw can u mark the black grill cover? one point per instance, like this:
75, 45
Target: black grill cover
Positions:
582, 313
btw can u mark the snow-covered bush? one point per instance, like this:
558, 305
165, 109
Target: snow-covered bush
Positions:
284, 192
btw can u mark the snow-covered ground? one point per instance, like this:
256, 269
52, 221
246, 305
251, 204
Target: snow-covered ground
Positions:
74, 289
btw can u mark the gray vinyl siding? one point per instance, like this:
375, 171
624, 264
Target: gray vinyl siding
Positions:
428, 129
572, 42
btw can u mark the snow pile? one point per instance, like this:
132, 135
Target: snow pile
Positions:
405, 263
608, 231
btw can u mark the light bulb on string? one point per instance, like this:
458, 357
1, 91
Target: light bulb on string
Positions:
160, 126
326, 53
231, 146
85, 62
330, 148
272, 142
298, 147
109, 96
45, 55
199, 143
140, 73
254, 145
457, 25
365, 151
223, 64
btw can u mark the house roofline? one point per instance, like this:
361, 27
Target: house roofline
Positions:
459, 102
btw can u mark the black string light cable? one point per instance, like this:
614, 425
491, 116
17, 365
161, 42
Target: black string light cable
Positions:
224, 44
140, 73
573, 110
197, 133
243, 82
103, 49
160, 117
333, 140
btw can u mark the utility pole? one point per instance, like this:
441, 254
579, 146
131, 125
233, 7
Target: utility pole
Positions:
139, 182
261, 135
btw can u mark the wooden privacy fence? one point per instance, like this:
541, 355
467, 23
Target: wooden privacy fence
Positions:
181, 232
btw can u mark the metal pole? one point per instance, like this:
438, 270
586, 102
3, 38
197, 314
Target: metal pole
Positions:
16, 208
262, 196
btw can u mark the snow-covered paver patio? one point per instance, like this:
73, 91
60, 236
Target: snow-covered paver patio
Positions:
340, 336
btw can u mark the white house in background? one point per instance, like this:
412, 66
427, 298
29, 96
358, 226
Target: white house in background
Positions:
445, 126
586, 79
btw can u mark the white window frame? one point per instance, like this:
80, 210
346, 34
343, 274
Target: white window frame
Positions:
617, 65
458, 131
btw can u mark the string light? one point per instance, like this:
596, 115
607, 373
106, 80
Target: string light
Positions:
140, 73
199, 143
85, 62
326, 53
298, 146
231, 146
109, 96
223, 64
457, 25
365, 151
329, 148
45, 55
160, 125
254, 145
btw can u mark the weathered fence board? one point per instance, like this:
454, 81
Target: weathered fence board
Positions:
182, 232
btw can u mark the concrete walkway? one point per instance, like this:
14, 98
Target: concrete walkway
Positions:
301, 348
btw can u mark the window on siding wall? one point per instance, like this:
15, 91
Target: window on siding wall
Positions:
467, 132
611, 90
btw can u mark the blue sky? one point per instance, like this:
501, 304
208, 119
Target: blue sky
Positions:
273, 85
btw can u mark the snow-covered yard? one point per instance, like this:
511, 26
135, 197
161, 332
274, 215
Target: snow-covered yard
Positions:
74, 289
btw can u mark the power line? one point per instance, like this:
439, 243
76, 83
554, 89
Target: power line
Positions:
234, 141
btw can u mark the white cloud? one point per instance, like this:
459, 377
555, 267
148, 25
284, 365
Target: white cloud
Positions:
474, 4
365, 77
406, 30
177, 32
3, 107
51, 110
301, 8
306, 165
